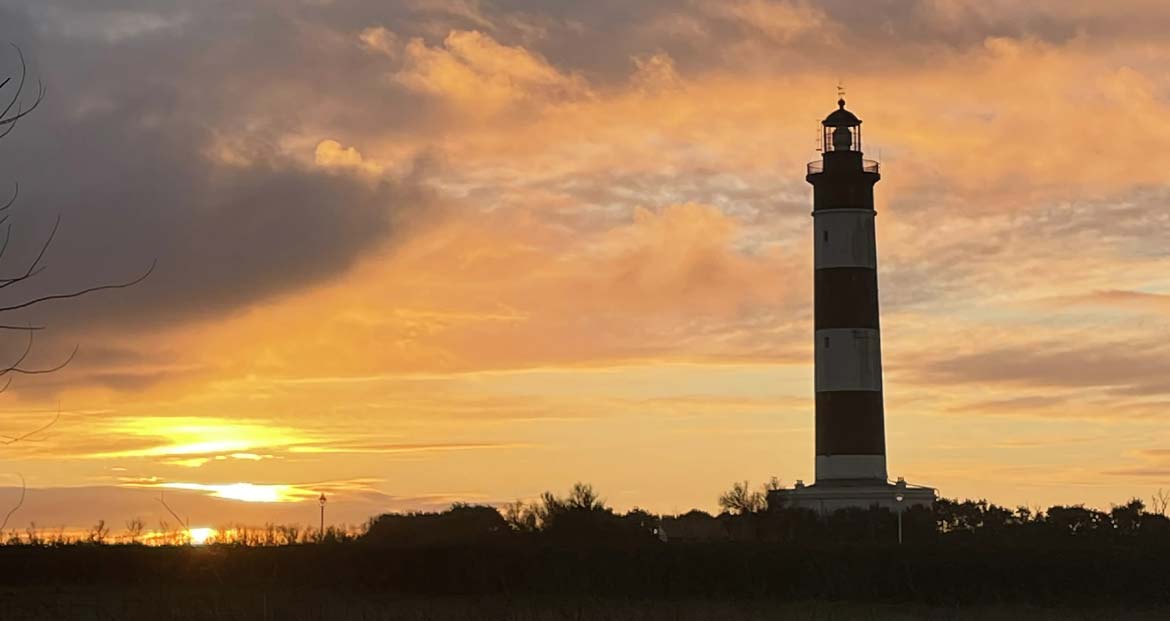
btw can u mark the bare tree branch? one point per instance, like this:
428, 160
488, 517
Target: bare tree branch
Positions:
19, 85
53, 369
186, 524
19, 503
163, 500
27, 349
14, 439
7, 236
16, 368
81, 292
33, 268
15, 195
21, 111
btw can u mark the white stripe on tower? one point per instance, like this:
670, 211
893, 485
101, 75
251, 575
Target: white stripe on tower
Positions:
845, 238
848, 359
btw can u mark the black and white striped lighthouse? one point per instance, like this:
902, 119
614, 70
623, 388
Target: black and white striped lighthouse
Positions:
850, 427
850, 418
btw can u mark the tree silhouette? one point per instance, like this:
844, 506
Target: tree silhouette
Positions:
1159, 502
462, 524
741, 500
1077, 520
520, 516
1127, 518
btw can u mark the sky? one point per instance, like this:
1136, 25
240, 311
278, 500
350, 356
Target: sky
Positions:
424, 251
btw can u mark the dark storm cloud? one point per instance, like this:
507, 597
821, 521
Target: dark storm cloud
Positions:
125, 150
843, 36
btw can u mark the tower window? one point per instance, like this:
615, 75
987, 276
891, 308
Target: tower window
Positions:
826, 236
826, 342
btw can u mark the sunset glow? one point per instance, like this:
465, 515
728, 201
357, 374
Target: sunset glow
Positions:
200, 536
420, 252
213, 437
247, 492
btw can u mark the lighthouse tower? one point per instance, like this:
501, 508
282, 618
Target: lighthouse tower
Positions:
850, 414
850, 428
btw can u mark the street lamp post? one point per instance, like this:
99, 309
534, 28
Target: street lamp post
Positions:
321, 500
899, 498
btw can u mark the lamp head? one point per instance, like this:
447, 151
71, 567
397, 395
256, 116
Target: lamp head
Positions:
842, 139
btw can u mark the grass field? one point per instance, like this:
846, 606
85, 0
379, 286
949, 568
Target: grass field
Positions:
537, 582
305, 605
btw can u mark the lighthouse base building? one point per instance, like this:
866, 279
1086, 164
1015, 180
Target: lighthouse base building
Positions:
850, 415
827, 497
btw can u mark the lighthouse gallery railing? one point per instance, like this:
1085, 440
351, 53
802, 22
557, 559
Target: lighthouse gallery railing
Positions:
818, 166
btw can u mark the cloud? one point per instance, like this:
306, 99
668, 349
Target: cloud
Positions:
331, 154
223, 236
656, 73
170, 437
1013, 405
149, 177
367, 447
109, 25
778, 21
1115, 300
379, 39
682, 256
481, 76
247, 492
1154, 463
1126, 367
80, 507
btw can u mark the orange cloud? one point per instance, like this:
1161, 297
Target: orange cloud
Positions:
482, 76
778, 21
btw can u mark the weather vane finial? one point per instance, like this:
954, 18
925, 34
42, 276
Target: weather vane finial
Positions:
840, 94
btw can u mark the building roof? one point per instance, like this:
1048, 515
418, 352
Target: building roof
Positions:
841, 117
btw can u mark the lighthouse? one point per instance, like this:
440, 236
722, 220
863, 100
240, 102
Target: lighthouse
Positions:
850, 418
850, 412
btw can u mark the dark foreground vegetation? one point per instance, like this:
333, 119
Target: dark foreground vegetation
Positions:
531, 579
937, 574
561, 555
297, 605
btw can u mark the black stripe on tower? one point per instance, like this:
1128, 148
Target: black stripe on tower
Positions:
850, 422
846, 297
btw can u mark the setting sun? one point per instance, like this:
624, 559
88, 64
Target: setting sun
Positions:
200, 536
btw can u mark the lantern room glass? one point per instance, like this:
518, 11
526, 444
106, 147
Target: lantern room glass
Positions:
842, 138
